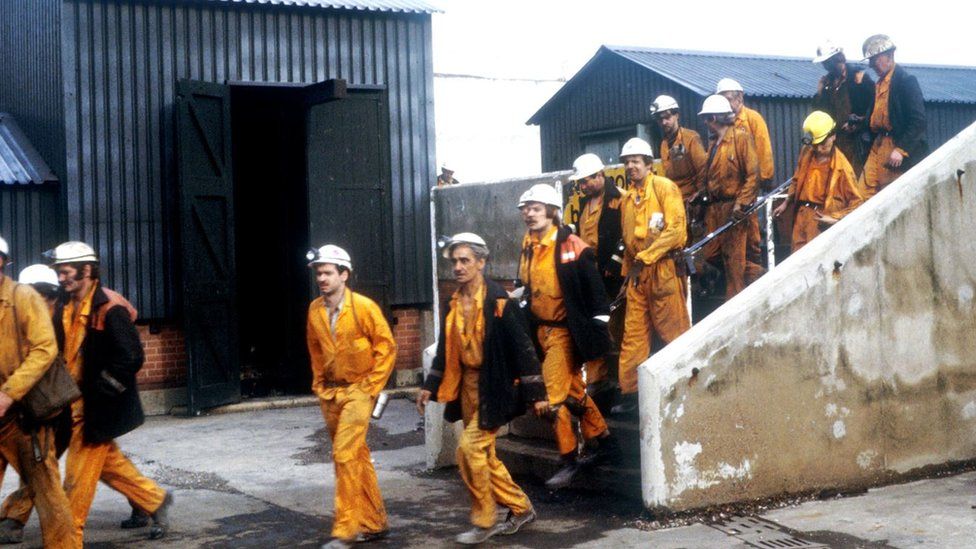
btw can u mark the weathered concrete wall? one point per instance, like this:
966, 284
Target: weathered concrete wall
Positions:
852, 361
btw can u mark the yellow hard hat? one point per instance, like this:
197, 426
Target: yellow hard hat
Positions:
818, 126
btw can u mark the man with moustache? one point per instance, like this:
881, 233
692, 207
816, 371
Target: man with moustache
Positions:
846, 94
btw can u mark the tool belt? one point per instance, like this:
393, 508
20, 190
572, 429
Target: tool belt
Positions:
811, 205
337, 384
712, 199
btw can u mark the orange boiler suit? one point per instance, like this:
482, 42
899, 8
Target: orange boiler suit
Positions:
731, 180
352, 357
86, 462
684, 161
562, 375
828, 187
485, 476
877, 175
655, 300
753, 122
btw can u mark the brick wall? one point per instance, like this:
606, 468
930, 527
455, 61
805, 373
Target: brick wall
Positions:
165, 365
407, 331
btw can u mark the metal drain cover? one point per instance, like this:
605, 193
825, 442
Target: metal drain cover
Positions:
757, 532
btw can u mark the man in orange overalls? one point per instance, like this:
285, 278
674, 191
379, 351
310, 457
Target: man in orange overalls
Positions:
352, 354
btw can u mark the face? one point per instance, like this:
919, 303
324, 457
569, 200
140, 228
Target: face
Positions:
329, 279
636, 167
465, 265
882, 63
447, 173
71, 279
735, 100
835, 65
668, 120
534, 216
592, 185
825, 147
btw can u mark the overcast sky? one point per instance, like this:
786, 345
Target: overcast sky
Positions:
544, 39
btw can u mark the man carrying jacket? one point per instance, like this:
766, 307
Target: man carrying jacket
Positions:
486, 372
846, 94
824, 188
897, 119
352, 355
568, 311
599, 228
101, 347
27, 348
653, 217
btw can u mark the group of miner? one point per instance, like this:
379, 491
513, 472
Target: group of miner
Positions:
542, 347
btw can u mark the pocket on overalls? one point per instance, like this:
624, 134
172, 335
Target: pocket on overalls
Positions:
665, 280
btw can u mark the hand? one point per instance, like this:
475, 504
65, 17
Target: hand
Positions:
737, 212
895, 159
540, 408
781, 208
633, 275
422, 398
5, 403
825, 219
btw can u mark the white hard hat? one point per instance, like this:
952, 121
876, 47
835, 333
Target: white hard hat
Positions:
72, 252
445, 165
4, 247
663, 103
540, 192
715, 104
463, 238
329, 253
826, 51
728, 85
585, 166
38, 274
636, 145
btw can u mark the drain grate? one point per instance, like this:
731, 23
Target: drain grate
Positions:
757, 532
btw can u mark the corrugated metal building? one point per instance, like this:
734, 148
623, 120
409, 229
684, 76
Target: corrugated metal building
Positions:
101, 88
607, 101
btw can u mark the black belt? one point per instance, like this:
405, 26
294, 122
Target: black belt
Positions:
811, 205
336, 384
716, 200
552, 323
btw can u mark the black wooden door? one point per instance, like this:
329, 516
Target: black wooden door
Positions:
207, 244
349, 185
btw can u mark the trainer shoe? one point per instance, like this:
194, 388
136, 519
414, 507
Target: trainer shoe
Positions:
161, 518
514, 522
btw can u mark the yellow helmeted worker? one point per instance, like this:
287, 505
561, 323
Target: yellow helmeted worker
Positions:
824, 188
486, 372
352, 354
654, 225
752, 122
568, 311
101, 347
730, 181
27, 348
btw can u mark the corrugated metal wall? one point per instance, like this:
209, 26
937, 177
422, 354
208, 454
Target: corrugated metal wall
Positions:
121, 62
25, 212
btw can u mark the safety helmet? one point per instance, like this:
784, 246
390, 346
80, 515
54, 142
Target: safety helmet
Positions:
540, 192
715, 104
4, 248
463, 238
445, 165
874, 45
329, 253
826, 51
818, 126
72, 252
728, 85
585, 166
38, 274
636, 145
662, 104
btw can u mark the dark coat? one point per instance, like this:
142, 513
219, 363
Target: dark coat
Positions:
111, 356
510, 377
583, 295
860, 95
609, 233
906, 110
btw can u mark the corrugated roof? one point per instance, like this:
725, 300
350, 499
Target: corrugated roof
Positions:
19, 162
769, 75
403, 6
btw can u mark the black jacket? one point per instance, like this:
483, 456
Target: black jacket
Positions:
860, 95
906, 110
510, 377
609, 233
583, 295
111, 356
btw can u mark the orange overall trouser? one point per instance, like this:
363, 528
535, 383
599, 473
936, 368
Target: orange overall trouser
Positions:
731, 246
805, 226
656, 304
42, 478
358, 503
86, 464
564, 381
485, 476
877, 175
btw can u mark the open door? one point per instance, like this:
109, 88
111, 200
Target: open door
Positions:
207, 244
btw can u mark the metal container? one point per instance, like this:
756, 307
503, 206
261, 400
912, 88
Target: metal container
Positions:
380, 406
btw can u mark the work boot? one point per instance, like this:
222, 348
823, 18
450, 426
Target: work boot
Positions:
336, 543
366, 537
514, 522
161, 518
627, 408
478, 535
606, 449
564, 477
11, 531
138, 519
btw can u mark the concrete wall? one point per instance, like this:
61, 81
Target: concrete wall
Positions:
852, 362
